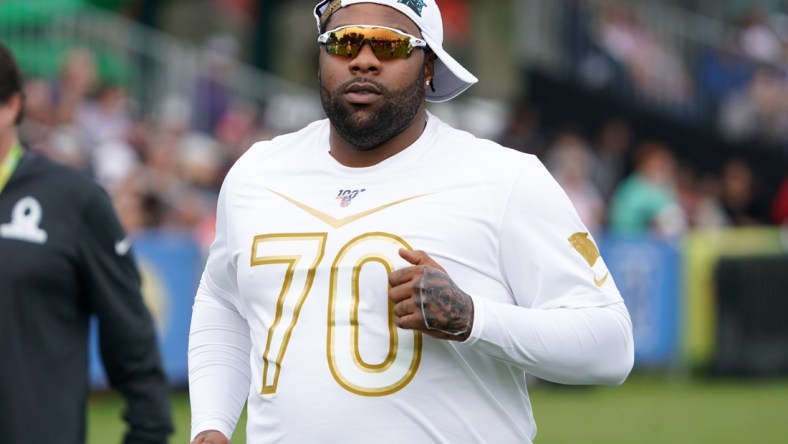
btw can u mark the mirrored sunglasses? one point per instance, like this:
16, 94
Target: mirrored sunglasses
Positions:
387, 43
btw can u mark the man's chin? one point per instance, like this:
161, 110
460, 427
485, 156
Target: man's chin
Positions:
360, 118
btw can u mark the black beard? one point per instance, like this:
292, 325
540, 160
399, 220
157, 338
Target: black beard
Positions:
365, 131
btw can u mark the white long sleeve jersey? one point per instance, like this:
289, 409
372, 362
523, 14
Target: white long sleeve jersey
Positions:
292, 313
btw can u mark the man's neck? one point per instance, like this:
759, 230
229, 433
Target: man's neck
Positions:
7, 140
349, 156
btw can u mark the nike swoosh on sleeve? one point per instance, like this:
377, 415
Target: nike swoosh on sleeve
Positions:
122, 246
601, 282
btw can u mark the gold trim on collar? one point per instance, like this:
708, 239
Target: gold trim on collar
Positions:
339, 222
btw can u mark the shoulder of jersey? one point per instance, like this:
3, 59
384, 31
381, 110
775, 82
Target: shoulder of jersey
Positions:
462, 139
484, 152
285, 144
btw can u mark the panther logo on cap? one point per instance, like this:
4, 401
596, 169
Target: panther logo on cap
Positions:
415, 5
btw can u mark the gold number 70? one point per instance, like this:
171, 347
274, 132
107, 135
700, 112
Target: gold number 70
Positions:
303, 253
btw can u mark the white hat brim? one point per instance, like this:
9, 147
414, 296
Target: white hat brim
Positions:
450, 78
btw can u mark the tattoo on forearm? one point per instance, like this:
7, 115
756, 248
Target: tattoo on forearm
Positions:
444, 306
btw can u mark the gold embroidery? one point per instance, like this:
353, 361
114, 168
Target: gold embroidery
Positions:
585, 247
601, 282
337, 222
589, 252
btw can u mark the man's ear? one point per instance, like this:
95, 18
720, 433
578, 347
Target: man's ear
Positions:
429, 65
14, 104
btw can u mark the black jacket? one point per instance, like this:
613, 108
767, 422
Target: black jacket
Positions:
63, 259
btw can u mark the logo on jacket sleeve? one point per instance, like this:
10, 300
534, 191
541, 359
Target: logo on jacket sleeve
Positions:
123, 246
25, 218
589, 252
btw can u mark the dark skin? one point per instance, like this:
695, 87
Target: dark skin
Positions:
448, 310
393, 74
210, 437
8, 115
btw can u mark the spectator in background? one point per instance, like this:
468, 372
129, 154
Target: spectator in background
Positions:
105, 115
237, 131
699, 197
77, 79
65, 258
722, 70
524, 132
758, 38
95, 130
646, 200
39, 114
571, 162
758, 112
211, 93
130, 199
612, 145
105, 122
739, 196
653, 68
55, 106
708, 210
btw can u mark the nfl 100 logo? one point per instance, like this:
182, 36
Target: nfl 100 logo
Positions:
346, 196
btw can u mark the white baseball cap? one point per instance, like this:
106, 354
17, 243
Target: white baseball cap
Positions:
450, 78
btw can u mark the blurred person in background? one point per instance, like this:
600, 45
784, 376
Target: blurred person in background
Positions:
524, 131
39, 114
758, 37
65, 258
739, 195
699, 197
382, 276
611, 145
650, 67
105, 125
76, 82
757, 112
212, 98
52, 110
722, 70
646, 201
571, 162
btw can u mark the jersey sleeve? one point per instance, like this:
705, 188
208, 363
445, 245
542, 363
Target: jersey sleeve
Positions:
569, 324
219, 342
127, 337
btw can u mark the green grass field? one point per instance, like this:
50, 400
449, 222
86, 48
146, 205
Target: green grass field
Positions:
645, 410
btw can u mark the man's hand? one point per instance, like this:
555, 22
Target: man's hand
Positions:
426, 299
210, 437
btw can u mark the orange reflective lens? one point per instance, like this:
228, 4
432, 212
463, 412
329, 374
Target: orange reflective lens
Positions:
387, 43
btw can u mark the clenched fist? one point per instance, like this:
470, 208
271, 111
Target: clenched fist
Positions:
210, 437
426, 299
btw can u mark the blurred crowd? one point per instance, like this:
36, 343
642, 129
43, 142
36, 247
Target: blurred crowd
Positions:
163, 169
738, 84
623, 183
